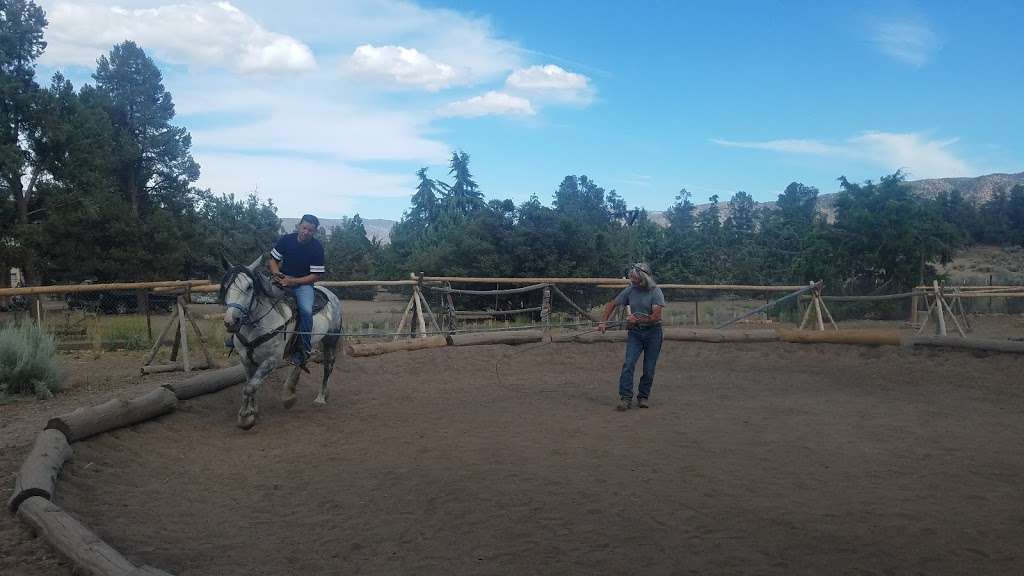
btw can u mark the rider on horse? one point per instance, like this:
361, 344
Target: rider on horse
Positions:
297, 261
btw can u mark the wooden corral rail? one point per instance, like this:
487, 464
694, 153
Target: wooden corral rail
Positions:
70, 288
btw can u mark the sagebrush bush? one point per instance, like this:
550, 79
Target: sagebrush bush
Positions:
28, 361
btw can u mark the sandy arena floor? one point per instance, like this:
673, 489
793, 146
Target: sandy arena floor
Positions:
759, 458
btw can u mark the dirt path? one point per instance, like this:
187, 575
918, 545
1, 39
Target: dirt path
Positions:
761, 458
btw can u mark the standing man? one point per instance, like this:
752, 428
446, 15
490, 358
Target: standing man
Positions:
297, 261
645, 301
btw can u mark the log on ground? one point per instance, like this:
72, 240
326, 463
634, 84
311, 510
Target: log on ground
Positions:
172, 367
985, 344
481, 338
208, 382
117, 413
39, 472
378, 348
861, 337
71, 539
705, 335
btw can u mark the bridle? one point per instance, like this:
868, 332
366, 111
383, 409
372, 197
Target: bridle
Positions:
246, 319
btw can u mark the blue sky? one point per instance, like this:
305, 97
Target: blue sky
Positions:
330, 107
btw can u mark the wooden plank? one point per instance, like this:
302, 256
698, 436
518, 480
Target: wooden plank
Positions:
199, 334
159, 341
405, 317
416, 296
74, 288
38, 473
940, 315
183, 328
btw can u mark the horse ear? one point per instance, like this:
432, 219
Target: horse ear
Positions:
224, 262
256, 263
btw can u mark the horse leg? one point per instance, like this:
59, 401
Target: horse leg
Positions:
329, 347
248, 411
288, 397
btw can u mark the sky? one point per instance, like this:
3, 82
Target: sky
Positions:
330, 107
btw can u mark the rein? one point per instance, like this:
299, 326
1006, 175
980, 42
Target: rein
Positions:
247, 320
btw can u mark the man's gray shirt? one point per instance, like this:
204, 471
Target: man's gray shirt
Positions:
640, 301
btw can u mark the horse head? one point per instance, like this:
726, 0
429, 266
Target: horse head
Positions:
240, 288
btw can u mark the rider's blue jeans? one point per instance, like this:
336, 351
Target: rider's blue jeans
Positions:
304, 296
647, 341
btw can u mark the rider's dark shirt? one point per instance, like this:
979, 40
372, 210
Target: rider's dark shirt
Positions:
298, 259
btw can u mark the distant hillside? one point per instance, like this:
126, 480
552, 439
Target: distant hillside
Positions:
375, 228
977, 190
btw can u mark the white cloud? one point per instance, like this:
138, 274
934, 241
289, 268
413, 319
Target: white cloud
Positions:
551, 82
795, 146
401, 66
304, 119
907, 41
299, 185
915, 153
490, 104
920, 157
194, 34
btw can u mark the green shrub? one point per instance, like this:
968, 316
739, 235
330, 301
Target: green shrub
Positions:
28, 363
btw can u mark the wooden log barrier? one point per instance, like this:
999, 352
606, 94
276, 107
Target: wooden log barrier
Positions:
513, 337
71, 539
679, 334
172, 367
697, 335
117, 413
207, 382
985, 344
39, 472
378, 348
862, 337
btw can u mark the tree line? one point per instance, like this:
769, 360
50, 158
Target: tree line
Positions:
96, 182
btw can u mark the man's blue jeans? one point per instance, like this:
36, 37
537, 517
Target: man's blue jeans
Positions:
647, 341
304, 296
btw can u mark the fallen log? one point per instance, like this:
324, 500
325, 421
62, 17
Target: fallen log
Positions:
378, 348
71, 539
117, 413
679, 334
39, 472
705, 335
985, 344
148, 571
862, 337
480, 338
208, 382
172, 367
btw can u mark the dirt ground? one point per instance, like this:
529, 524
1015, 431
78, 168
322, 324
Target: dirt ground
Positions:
757, 458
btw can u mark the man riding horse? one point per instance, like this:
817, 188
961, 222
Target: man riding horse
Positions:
258, 318
297, 261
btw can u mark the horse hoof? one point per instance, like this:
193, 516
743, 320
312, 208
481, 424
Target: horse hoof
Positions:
246, 422
319, 401
289, 401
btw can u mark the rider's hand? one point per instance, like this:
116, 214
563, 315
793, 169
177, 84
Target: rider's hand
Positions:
633, 320
283, 281
601, 327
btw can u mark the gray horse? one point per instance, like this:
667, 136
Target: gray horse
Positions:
260, 319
